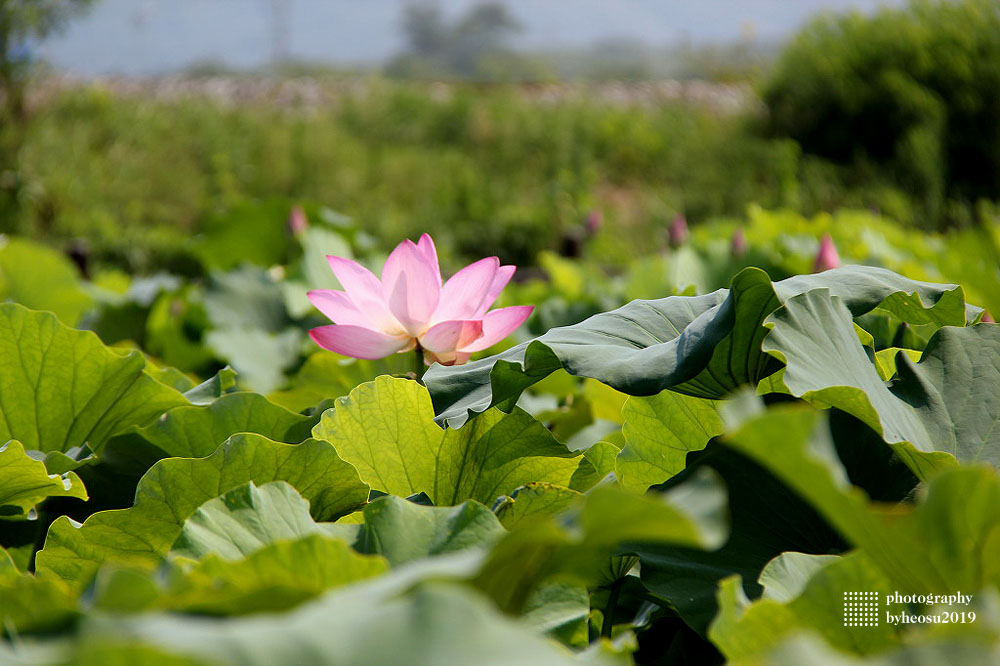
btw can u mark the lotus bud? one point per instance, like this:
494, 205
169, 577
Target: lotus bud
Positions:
678, 231
297, 221
827, 256
594, 222
738, 247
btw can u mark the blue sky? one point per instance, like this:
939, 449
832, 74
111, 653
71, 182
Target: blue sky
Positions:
150, 36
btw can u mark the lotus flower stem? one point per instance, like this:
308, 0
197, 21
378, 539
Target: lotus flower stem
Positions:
611, 607
419, 366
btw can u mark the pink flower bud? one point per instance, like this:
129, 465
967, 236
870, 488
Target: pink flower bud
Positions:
988, 318
297, 221
594, 222
738, 247
827, 256
678, 231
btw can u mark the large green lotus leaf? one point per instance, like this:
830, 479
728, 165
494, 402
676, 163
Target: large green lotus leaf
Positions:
947, 542
175, 329
277, 576
258, 548
402, 531
862, 288
535, 502
245, 298
326, 375
41, 278
213, 388
174, 488
947, 406
705, 346
392, 619
953, 643
885, 360
561, 610
123, 305
65, 652
605, 402
744, 629
807, 648
243, 520
260, 356
784, 577
386, 429
250, 327
195, 431
61, 388
766, 517
164, 374
617, 348
695, 514
610, 521
659, 433
765, 632
24, 481
7, 565
32, 604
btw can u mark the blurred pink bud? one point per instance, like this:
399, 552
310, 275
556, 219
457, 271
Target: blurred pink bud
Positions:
988, 318
297, 221
827, 256
678, 231
594, 222
373, 318
739, 244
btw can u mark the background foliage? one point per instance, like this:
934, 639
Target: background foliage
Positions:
688, 454
909, 93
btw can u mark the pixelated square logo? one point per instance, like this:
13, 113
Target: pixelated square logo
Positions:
861, 609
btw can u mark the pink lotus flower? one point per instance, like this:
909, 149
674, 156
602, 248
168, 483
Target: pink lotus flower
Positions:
410, 307
827, 256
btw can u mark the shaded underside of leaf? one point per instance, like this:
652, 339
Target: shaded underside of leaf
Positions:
705, 346
945, 406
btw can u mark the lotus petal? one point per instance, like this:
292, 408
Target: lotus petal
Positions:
365, 292
451, 335
463, 294
358, 341
498, 324
411, 287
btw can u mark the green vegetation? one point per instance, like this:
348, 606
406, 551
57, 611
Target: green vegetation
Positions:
610, 492
693, 451
907, 96
21, 21
139, 181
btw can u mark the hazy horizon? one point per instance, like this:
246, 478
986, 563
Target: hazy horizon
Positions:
157, 36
